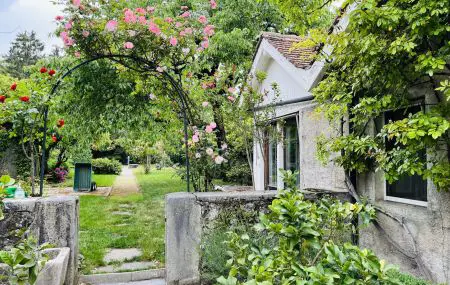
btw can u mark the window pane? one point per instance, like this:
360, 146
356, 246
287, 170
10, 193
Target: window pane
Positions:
291, 150
407, 187
272, 163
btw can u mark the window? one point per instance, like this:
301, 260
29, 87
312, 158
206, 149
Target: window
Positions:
273, 163
408, 187
291, 147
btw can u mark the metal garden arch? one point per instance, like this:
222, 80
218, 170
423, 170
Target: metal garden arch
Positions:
151, 67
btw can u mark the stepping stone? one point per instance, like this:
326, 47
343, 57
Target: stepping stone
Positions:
129, 266
122, 213
121, 255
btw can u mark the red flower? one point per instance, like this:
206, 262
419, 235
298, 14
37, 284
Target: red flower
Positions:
24, 98
2, 98
13, 86
43, 70
51, 72
54, 138
60, 123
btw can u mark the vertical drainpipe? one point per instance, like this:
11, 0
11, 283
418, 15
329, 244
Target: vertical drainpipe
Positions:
280, 155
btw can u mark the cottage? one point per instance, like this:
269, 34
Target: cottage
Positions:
414, 218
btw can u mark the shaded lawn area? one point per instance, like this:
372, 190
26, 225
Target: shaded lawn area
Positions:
101, 229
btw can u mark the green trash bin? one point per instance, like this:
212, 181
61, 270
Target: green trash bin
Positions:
83, 176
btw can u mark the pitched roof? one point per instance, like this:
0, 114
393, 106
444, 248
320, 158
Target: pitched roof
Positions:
302, 57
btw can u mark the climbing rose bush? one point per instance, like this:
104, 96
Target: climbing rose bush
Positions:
149, 43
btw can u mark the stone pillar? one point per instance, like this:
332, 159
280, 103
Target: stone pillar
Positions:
183, 235
53, 220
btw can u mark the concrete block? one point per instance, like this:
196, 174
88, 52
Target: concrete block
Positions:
54, 271
52, 219
183, 235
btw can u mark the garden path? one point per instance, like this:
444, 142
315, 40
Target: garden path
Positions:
125, 184
144, 282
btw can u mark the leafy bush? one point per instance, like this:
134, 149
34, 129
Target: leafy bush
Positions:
308, 248
106, 166
24, 261
213, 246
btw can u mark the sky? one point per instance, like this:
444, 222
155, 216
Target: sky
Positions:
26, 15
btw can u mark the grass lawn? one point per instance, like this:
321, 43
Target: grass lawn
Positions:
100, 229
102, 180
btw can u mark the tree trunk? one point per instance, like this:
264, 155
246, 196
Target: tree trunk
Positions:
148, 164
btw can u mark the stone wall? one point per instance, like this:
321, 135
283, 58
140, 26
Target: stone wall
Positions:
53, 220
190, 215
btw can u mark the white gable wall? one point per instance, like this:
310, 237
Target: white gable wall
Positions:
293, 84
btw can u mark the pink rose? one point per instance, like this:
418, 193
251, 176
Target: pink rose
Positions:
130, 17
111, 26
209, 151
205, 104
219, 159
213, 4
213, 125
209, 30
186, 14
231, 98
202, 19
76, 3
231, 89
208, 129
154, 28
68, 25
59, 18
85, 33
142, 20
128, 45
151, 9
178, 24
205, 44
173, 41
195, 138
141, 11
188, 31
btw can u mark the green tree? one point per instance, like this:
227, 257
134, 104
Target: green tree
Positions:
392, 54
25, 50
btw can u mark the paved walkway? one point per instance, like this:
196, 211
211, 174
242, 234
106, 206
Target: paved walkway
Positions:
125, 184
144, 282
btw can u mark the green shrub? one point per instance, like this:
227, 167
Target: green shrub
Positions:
106, 166
308, 246
214, 248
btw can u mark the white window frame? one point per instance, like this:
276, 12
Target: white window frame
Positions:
404, 200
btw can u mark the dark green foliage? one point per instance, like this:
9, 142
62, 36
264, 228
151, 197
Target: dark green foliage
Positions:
308, 246
214, 248
106, 166
24, 261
